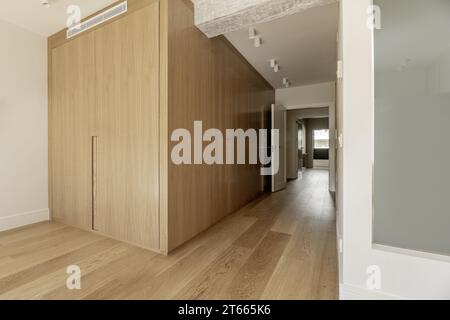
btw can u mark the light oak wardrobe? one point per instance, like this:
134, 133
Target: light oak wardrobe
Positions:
116, 92
104, 128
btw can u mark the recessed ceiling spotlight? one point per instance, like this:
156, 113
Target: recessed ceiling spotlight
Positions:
276, 68
286, 82
45, 3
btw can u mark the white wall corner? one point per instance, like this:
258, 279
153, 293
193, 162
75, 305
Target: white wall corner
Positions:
24, 219
351, 292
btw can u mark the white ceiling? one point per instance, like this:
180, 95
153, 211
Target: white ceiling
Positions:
304, 44
31, 15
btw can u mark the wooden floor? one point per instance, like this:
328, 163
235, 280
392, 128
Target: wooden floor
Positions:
282, 246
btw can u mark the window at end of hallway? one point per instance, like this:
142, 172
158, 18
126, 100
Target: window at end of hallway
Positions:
321, 139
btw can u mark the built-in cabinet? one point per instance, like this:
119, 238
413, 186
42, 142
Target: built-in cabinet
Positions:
116, 92
127, 162
105, 129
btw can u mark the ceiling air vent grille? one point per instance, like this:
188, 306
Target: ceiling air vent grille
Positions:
98, 19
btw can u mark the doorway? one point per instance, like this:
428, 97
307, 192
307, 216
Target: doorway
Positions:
321, 148
310, 142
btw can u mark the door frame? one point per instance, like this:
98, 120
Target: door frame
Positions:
282, 148
331, 105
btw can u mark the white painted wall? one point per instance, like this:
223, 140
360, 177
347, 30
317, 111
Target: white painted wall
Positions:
306, 96
23, 127
404, 274
339, 152
313, 96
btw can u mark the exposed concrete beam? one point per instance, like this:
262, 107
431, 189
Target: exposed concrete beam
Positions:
216, 17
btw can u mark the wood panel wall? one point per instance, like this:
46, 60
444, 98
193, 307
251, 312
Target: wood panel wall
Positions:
208, 80
199, 79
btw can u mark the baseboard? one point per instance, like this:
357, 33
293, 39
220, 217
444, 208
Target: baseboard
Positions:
350, 292
23, 219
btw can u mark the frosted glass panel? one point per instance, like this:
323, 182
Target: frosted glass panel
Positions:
412, 125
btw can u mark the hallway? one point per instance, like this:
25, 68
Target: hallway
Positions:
282, 246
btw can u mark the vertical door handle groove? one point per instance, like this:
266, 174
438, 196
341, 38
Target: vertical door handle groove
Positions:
94, 180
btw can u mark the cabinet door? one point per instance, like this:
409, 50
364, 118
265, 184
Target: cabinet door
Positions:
127, 153
70, 122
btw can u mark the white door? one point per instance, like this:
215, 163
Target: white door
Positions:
279, 178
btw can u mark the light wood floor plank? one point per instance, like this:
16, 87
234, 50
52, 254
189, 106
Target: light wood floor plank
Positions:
253, 276
22, 247
26, 232
291, 280
38, 288
329, 276
211, 282
168, 281
281, 246
120, 270
78, 239
256, 233
20, 278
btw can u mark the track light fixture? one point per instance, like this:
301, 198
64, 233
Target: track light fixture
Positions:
257, 42
274, 65
253, 35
